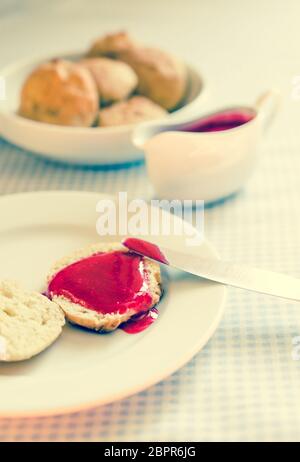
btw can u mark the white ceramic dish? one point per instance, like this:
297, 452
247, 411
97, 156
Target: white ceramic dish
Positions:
84, 369
82, 146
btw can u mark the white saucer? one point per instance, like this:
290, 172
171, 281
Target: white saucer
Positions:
84, 369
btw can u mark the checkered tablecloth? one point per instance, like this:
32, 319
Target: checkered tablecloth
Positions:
244, 385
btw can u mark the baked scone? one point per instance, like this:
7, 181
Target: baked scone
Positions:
60, 92
136, 109
101, 318
29, 322
115, 80
162, 77
111, 45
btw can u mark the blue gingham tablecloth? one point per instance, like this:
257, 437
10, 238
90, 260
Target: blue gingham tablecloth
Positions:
244, 385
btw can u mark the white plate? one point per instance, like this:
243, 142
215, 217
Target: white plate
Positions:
82, 146
84, 369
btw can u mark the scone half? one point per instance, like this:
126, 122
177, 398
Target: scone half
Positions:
92, 319
29, 322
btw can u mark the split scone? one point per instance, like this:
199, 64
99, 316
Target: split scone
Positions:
162, 76
136, 109
60, 92
29, 322
111, 45
102, 286
115, 80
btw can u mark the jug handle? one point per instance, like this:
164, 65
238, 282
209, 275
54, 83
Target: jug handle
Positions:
267, 106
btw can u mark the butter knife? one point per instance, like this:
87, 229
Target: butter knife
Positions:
224, 272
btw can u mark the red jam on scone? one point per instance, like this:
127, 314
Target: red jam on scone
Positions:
108, 283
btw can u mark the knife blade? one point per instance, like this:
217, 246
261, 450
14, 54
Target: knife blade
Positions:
224, 272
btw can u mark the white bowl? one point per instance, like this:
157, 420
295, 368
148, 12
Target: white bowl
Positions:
76, 145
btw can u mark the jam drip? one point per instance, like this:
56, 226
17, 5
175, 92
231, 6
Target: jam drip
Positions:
140, 322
